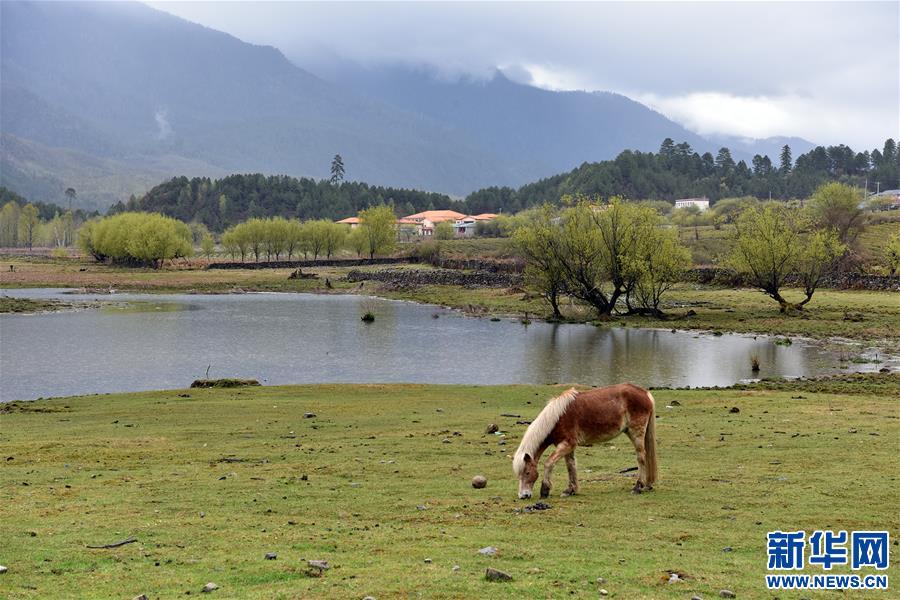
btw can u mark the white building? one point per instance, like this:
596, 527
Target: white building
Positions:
701, 203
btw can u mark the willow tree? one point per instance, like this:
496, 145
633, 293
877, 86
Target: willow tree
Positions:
774, 245
601, 255
534, 237
378, 227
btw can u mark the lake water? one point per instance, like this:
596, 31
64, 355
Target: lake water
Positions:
167, 341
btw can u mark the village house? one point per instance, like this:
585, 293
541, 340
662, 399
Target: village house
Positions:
466, 226
422, 224
353, 222
429, 218
701, 203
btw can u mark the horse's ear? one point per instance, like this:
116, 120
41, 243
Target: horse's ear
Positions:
528, 458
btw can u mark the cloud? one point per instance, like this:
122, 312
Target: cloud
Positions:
162, 124
722, 65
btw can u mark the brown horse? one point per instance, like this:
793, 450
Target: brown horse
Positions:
588, 417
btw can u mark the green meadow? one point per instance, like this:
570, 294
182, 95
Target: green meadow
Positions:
378, 484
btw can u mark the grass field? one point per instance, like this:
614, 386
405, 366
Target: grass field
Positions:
378, 481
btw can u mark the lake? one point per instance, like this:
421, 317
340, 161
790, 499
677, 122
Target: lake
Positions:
167, 341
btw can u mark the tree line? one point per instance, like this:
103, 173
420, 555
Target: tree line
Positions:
276, 237
28, 224
622, 257
675, 171
223, 203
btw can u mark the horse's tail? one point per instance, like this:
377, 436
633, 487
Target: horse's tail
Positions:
650, 443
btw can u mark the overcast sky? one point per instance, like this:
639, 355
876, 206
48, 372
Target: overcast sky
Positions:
829, 72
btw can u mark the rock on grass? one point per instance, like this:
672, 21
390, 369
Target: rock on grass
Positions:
209, 587
479, 481
492, 574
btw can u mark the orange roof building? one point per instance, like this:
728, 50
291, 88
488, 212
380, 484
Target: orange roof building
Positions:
436, 216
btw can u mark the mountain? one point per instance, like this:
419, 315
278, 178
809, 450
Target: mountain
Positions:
113, 97
125, 83
549, 131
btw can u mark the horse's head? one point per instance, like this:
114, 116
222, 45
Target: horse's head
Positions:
527, 476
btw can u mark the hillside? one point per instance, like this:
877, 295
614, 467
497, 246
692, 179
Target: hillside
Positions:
127, 83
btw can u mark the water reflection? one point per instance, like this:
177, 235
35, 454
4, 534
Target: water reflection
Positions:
300, 338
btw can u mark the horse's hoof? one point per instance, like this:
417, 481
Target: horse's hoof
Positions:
636, 490
545, 491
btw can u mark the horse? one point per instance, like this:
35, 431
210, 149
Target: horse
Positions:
588, 417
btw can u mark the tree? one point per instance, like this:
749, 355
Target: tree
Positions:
357, 241
28, 225
543, 271
837, 206
208, 245
785, 166
136, 238
334, 235
892, 253
443, 231
601, 254
9, 224
71, 194
660, 260
337, 169
771, 246
379, 226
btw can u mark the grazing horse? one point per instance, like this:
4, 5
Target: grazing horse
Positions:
588, 417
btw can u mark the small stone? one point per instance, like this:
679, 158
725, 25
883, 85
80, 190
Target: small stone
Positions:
455, 568
696, 598
428, 561
3, 569
727, 549
727, 594
488, 551
202, 514
309, 415
141, 597
369, 598
209, 587
421, 507
674, 578
492, 574
603, 592
322, 565
479, 482
492, 428
445, 440
601, 580
271, 556
734, 409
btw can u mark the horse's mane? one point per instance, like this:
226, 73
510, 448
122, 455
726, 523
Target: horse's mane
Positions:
541, 427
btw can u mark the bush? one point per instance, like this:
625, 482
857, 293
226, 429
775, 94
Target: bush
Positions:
143, 239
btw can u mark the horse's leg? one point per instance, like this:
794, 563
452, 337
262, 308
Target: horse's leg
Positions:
636, 433
573, 475
562, 449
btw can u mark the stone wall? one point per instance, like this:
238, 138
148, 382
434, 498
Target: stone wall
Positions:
838, 281
412, 278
